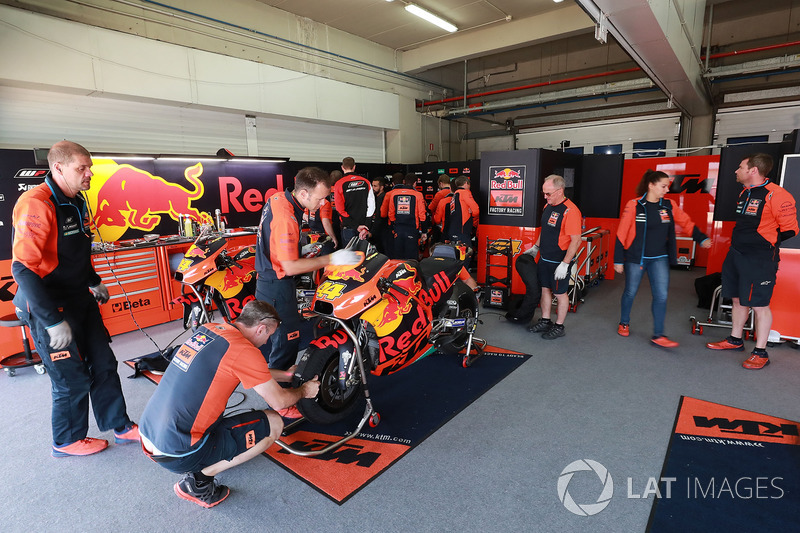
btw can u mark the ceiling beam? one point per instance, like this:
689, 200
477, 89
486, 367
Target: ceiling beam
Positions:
664, 39
500, 37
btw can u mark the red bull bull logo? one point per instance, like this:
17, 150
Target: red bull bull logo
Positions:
128, 197
507, 174
507, 190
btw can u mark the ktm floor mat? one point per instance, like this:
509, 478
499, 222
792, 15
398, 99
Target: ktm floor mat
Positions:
728, 469
413, 403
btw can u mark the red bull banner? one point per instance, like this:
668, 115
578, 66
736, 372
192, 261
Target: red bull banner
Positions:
507, 190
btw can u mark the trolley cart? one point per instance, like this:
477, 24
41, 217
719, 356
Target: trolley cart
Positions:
719, 316
596, 245
498, 288
577, 285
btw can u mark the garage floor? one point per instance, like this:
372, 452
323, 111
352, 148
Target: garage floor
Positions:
494, 467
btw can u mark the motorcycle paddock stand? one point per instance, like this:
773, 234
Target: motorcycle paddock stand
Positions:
370, 414
479, 346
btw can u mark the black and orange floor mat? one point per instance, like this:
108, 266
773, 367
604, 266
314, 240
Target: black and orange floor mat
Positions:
413, 403
154, 377
728, 469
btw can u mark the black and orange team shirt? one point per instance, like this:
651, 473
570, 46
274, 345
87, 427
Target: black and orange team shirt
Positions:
194, 391
278, 235
354, 200
404, 206
765, 214
47, 226
460, 215
559, 223
325, 212
440, 195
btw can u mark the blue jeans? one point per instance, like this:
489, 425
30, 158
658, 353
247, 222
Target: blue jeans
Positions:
658, 273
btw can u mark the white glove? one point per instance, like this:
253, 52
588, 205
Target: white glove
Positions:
344, 257
60, 335
532, 251
100, 293
561, 270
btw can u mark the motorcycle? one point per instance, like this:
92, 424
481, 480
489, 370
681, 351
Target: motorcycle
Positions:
220, 276
385, 315
216, 275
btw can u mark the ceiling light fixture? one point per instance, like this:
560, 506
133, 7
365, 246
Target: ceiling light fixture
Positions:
430, 17
558, 1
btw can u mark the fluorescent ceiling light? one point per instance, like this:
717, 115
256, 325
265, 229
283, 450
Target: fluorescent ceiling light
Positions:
430, 17
558, 1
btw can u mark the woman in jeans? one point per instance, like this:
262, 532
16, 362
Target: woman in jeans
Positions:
646, 243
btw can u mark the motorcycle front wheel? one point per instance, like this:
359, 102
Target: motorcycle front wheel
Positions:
332, 404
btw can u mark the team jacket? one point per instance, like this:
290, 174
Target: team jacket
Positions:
633, 234
438, 197
354, 200
763, 212
278, 235
440, 213
51, 251
193, 392
459, 216
325, 212
559, 223
404, 206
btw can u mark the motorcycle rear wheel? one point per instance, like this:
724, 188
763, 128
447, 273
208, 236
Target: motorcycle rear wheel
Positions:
331, 404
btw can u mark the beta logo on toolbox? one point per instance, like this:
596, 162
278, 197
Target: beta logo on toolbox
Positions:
507, 190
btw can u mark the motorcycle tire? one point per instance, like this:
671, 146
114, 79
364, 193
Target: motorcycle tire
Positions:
467, 309
331, 404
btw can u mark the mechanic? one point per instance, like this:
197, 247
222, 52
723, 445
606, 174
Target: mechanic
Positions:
57, 296
354, 201
278, 258
459, 217
404, 208
183, 426
766, 215
560, 238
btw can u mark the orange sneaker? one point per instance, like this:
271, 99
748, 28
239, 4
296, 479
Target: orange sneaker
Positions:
756, 362
290, 412
129, 435
86, 446
726, 344
624, 330
664, 342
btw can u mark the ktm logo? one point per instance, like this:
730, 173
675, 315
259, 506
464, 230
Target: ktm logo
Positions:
689, 183
748, 427
346, 454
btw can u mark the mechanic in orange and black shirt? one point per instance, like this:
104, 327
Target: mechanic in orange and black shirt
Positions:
443, 192
404, 208
57, 289
558, 242
459, 217
354, 201
766, 215
183, 426
278, 258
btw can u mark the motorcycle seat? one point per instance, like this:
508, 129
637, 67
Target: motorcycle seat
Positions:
430, 266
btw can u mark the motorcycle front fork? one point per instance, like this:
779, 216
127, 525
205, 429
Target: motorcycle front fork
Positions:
370, 414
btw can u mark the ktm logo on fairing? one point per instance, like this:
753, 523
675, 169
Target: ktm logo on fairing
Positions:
748, 427
346, 454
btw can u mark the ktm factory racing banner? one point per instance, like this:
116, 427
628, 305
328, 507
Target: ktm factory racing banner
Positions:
507, 190
133, 196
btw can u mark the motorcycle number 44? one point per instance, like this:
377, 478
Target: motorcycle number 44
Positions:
330, 290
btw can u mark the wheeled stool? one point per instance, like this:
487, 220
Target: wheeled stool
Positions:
24, 358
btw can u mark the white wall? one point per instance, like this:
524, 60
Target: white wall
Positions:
773, 120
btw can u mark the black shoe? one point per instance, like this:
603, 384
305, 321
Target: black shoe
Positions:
554, 332
207, 496
511, 317
544, 324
